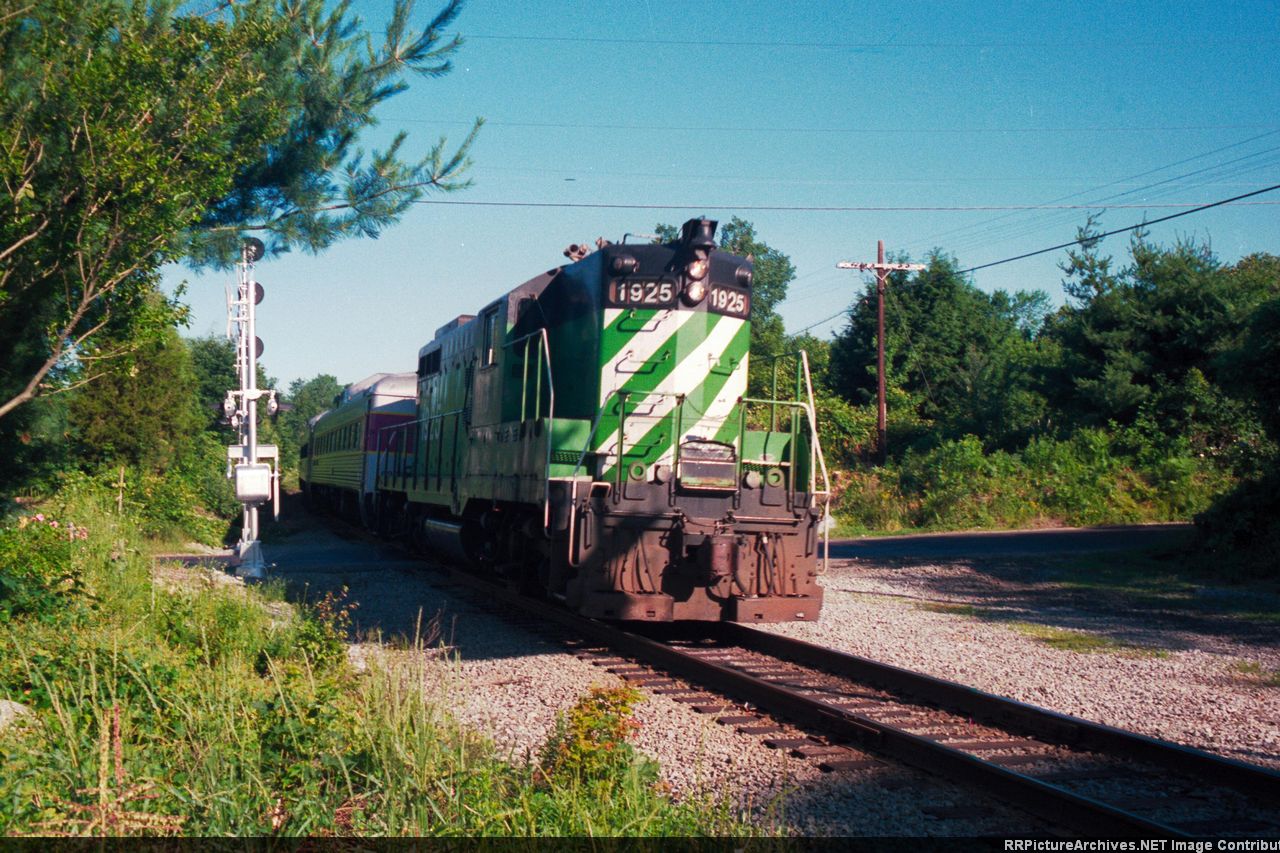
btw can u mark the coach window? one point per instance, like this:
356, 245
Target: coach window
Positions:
489, 345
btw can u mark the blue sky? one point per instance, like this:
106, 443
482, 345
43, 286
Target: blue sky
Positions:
715, 108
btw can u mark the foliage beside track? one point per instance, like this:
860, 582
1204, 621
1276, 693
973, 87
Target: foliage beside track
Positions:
196, 707
1149, 396
1089, 478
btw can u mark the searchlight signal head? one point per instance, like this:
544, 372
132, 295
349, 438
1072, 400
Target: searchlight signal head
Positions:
253, 250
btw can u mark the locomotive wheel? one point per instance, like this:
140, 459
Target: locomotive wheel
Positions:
417, 541
534, 573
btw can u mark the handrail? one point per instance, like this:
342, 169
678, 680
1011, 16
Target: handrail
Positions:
416, 422
822, 461
807, 408
544, 346
544, 364
595, 425
817, 459
573, 476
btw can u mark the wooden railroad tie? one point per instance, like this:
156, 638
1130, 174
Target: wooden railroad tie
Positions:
843, 765
790, 742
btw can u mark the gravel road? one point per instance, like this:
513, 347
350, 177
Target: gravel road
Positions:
1188, 679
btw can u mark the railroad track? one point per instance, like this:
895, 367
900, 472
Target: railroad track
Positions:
1083, 777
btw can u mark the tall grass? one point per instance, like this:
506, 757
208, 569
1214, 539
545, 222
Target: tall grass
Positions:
205, 708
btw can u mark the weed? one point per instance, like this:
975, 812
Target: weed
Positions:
39, 572
950, 608
589, 741
1256, 672
1078, 641
212, 709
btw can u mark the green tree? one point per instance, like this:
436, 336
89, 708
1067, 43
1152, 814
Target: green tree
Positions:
143, 418
137, 132
1241, 531
772, 274
1248, 368
213, 359
1145, 344
325, 76
305, 399
966, 361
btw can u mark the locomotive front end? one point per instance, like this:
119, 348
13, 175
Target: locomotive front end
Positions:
689, 499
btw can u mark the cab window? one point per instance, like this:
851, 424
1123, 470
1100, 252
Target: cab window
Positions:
489, 342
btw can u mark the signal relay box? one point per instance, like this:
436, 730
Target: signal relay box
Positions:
253, 483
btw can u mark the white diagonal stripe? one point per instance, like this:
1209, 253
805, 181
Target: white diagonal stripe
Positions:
722, 406
691, 372
640, 349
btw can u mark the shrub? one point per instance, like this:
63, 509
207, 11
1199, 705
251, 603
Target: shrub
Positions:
324, 629
955, 483
871, 500
589, 741
1240, 532
1079, 479
38, 569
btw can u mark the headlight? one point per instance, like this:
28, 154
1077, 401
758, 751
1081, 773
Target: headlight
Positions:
694, 292
697, 269
624, 264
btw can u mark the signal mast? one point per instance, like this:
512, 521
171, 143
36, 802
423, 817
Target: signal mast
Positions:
252, 467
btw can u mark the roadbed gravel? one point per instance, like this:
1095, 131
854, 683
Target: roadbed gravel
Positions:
1200, 680
1198, 664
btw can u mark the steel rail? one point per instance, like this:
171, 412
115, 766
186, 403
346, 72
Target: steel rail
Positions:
1050, 726
1049, 802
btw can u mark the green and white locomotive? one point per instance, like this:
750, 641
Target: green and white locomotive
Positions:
589, 436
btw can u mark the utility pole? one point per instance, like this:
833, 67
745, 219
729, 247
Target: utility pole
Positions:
881, 270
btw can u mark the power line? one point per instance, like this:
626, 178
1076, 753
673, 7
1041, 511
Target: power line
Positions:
851, 45
985, 228
818, 208
665, 128
1080, 241
820, 322
1077, 241
590, 172
1230, 168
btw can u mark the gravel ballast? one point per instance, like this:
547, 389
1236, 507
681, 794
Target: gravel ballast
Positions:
1197, 677
508, 682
